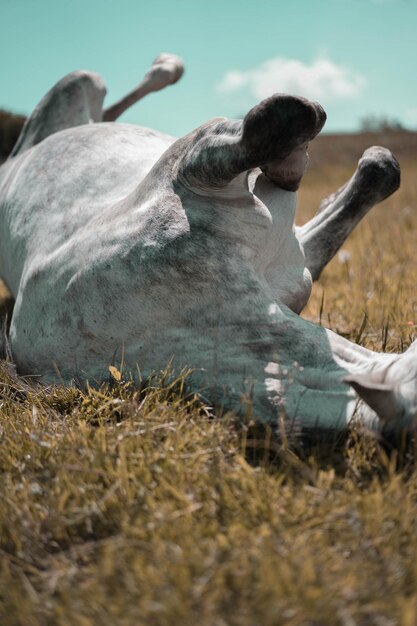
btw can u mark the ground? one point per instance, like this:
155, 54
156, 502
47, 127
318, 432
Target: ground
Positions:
127, 508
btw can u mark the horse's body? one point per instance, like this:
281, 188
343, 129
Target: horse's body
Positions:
120, 243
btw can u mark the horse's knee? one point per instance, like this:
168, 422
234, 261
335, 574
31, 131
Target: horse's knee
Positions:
81, 92
75, 100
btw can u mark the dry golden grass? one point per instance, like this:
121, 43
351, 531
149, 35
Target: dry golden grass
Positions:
124, 508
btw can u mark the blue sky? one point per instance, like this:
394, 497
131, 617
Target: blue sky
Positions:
356, 57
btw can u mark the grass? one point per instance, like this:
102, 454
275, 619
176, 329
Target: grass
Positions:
119, 507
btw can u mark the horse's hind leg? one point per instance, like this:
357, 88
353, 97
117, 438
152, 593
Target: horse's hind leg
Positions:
165, 70
78, 99
377, 177
75, 100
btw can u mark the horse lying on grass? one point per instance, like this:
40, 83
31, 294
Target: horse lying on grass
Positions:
119, 240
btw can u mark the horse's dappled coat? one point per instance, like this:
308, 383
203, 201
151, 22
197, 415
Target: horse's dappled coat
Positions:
120, 240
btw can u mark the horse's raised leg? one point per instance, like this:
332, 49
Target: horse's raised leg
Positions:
165, 70
78, 99
377, 177
75, 100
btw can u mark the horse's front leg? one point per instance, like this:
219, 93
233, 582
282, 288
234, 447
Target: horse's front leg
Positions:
377, 177
166, 70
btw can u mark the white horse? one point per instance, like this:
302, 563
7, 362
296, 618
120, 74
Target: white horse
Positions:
121, 242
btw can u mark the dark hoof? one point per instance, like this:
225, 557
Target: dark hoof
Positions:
379, 171
273, 128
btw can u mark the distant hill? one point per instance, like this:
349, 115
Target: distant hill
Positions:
10, 127
344, 149
340, 149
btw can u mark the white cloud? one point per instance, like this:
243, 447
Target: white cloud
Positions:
321, 80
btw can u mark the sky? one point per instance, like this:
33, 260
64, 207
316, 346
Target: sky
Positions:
358, 58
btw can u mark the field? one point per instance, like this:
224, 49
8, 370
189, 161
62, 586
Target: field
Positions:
126, 508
